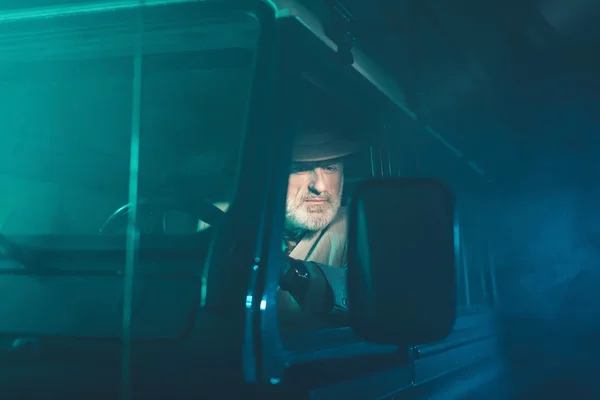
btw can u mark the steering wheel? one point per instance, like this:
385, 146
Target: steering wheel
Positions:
203, 210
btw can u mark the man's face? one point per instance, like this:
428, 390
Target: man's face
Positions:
314, 194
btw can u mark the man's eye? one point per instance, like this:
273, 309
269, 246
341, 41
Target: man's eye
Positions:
331, 168
298, 170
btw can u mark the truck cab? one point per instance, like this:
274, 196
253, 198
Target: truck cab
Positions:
145, 159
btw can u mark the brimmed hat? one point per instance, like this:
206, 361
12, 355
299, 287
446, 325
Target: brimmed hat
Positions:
323, 146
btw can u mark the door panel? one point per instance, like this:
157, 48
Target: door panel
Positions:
440, 363
369, 387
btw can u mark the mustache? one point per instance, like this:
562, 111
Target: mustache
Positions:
322, 196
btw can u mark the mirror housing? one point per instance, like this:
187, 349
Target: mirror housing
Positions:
402, 252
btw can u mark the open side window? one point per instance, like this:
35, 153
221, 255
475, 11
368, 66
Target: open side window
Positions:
323, 352
322, 87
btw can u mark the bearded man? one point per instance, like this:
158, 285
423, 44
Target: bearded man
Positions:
315, 232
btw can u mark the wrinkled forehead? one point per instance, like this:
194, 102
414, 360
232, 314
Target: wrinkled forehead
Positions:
308, 166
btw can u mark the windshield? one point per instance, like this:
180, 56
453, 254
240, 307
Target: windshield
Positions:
94, 118
104, 108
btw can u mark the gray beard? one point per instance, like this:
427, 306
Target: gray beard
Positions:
312, 218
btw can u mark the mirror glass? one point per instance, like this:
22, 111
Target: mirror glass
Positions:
402, 252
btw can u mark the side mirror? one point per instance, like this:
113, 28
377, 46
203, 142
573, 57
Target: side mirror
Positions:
401, 261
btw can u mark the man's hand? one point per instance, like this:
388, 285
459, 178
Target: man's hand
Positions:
306, 283
295, 279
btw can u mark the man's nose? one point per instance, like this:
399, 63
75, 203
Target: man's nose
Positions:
317, 181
